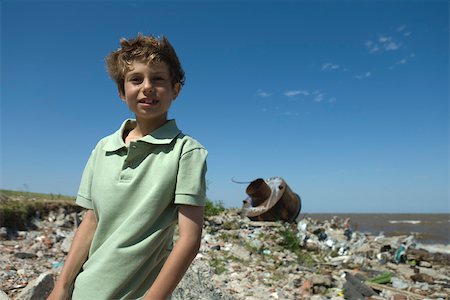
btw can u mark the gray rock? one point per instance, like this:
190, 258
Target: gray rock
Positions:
65, 245
422, 277
196, 284
3, 295
355, 289
398, 283
240, 252
3, 233
38, 289
255, 243
321, 280
425, 264
25, 255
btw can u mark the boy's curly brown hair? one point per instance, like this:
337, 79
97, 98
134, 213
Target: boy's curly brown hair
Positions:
145, 49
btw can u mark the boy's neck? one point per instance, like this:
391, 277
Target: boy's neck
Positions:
142, 129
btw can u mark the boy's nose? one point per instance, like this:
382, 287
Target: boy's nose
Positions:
147, 86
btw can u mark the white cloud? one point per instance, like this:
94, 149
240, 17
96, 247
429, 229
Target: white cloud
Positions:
330, 67
392, 45
383, 39
263, 94
291, 113
401, 28
318, 96
294, 93
383, 44
363, 76
304, 93
291, 93
391, 42
403, 61
372, 46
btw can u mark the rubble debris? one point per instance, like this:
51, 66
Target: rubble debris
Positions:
400, 254
355, 289
39, 288
244, 259
3, 295
422, 277
25, 255
271, 200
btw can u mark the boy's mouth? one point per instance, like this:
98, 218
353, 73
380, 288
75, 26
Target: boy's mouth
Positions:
148, 101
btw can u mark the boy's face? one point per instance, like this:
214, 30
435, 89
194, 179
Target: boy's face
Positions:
149, 91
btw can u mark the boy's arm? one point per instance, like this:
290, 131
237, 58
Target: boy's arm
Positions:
190, 222
78, 254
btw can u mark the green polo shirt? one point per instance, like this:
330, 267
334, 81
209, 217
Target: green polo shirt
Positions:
133, 191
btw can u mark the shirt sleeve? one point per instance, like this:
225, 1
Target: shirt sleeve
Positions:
191, 179
84, 191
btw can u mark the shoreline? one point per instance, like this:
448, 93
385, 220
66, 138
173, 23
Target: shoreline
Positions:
435, 248
428, 229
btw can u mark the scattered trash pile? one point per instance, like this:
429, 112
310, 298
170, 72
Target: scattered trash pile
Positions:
244, 259
31, 259
318, 260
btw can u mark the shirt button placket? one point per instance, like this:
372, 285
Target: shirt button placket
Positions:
131, 155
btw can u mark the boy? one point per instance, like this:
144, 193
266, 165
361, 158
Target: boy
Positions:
136, 184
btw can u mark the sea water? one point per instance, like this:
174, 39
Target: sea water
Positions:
431, 231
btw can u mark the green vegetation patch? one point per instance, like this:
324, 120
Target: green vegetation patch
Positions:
218, 265
291, 242
18, 195
382, 279
213, 208
18, 208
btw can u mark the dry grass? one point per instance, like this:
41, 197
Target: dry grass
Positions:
18, 208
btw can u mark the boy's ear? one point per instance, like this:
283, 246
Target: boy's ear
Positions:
121, 95
176, 90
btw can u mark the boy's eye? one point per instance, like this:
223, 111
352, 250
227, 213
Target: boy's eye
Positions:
134, 79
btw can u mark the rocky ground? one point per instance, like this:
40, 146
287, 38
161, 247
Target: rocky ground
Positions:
241, 259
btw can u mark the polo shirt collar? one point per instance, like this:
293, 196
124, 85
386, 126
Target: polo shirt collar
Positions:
163, 135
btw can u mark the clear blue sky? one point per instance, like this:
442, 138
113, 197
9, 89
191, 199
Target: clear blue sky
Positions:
348, 101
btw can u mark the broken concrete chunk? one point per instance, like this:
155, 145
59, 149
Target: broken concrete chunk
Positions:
3, 295
38, 289
25, 255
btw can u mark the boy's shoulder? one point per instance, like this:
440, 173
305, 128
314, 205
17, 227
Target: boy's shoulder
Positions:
188, 142
110, 142
108, 139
